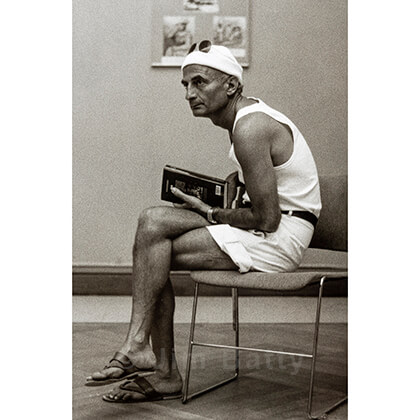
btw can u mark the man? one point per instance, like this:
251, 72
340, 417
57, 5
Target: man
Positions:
269, 232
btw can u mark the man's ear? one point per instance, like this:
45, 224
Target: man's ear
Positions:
232, 85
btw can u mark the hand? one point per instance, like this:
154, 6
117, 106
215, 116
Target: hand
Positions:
190, 202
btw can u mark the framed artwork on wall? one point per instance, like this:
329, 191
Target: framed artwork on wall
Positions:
177, 24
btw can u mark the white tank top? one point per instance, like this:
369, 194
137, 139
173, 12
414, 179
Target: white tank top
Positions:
297, 179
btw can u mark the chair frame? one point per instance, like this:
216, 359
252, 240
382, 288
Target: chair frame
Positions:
186, 397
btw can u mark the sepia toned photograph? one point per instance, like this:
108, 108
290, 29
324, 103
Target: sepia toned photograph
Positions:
178, 33
193, 212
231, 32
226, 304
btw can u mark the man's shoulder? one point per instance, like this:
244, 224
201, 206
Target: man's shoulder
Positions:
252, 134
257, 123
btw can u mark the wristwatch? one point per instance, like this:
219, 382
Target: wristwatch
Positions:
210, 215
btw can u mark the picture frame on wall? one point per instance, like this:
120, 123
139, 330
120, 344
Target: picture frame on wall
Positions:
179, 23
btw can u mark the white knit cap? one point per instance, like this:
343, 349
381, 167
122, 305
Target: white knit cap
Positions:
218, 57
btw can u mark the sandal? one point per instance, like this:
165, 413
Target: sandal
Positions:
144, 389
120, 361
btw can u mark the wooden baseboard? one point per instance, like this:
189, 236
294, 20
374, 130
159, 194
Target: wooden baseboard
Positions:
116, 281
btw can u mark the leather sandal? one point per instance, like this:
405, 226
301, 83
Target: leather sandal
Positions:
142, 391
120, 361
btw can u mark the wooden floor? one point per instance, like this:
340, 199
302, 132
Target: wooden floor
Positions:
269, 386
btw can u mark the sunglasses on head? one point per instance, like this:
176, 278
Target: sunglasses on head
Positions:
203, 46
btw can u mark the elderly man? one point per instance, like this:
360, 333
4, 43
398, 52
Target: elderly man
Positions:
269, 231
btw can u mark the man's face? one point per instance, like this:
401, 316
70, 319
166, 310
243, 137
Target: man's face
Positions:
205, 89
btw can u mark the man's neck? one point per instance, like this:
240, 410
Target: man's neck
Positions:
226, 117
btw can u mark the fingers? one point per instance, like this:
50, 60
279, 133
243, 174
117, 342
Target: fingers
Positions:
178, 193
182, 206
189, 200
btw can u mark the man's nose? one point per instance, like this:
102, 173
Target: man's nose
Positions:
190, 93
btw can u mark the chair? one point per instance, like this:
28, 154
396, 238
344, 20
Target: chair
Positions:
325, 261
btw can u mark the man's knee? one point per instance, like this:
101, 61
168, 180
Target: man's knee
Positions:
150, 224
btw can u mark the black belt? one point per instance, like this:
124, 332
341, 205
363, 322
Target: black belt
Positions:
305, 215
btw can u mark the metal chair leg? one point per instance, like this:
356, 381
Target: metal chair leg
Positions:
235, 308
323, 415
185, 396
190, 346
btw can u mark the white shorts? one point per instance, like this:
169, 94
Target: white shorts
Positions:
253, 250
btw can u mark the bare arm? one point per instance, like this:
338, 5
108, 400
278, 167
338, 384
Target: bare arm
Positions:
252, 140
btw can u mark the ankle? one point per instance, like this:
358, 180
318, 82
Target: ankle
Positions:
167, 369
139, 344
168, 375
140, 340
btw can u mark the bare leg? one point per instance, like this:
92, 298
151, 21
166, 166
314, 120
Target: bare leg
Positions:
167, 378
152, 253
192, 250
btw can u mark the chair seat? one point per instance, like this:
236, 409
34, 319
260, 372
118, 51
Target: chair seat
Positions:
316, 264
